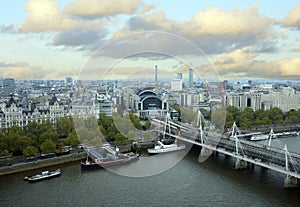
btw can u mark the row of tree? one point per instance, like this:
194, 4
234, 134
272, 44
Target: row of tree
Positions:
245, 119
249, 118
36, 138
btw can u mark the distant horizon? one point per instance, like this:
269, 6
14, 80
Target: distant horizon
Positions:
160, 80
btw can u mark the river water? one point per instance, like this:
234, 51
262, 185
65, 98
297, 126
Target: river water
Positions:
214, 182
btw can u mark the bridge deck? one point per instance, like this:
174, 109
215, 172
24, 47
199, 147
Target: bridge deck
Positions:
268, 157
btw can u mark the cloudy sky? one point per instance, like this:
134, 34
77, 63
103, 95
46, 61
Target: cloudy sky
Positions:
91, 39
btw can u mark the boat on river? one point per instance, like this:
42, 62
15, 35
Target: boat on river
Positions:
108, 161
259, 137
162, 148
286, 134
44, 175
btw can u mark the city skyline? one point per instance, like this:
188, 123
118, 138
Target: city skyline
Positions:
54, 39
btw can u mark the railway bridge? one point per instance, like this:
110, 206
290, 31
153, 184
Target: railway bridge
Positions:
244, 151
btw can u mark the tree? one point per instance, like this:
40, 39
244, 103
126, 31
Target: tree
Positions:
293, 117
30, 151
261, 117
276, 115
104, 121
234, 111
32, 130
96, 141
229, 120
120, 139
45, 126
246, 118
49, 134
5, 153
15, 130
123, 124
91, 122
72, 140
177, 108
65, 126
147, 125
135, 121
132, 135
13, 145
48, 146
218, 118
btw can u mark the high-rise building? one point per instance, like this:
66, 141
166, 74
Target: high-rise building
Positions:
179, 76
69, 81
8, 85
156, 73
191, 79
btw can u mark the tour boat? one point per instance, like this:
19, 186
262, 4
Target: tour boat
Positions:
259, 137
44, 175
286, 134
162, 148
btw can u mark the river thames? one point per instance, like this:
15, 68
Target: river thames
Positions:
214, 182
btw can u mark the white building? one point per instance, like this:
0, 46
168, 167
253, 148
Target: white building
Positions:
176, 84
286, 99
13, 114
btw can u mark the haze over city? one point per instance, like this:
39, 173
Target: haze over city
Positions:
52, 39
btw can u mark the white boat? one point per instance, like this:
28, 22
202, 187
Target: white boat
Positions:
44, 175
259, 137
286, 134
161, 148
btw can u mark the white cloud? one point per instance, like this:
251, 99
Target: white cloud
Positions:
214, 21
243, 61
236, 60
290, 66
45, 15
293, 17
100, 8
21, 70
213, 30
76, 38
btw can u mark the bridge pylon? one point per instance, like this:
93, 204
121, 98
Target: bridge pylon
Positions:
289, 181
239, 164
199, 124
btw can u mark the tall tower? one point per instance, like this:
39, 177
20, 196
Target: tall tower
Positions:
191, 81
179, 76
156, 73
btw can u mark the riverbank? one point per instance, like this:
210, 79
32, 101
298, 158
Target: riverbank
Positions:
41, 163
25, 166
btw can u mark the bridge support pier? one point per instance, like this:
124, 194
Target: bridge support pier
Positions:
290, 182
216, 153
204, 154
240, 164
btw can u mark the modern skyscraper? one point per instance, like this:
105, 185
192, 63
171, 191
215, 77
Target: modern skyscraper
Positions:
191, 80
156, 73
179, 76
8, 85
69, 81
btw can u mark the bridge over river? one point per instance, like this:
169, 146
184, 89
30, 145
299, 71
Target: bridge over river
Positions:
244, 151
